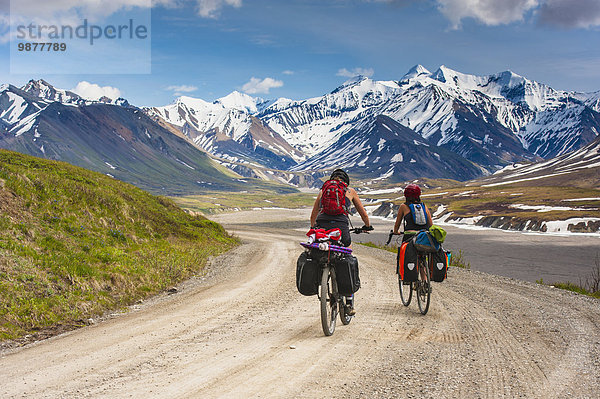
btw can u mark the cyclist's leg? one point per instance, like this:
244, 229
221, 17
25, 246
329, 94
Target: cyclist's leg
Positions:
350, 311
346, 238
424, 269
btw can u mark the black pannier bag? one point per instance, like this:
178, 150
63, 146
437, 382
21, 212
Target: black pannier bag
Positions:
346, 273
439, 266
407, 261
307, 274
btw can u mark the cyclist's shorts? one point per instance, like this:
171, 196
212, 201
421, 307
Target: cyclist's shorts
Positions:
337, 224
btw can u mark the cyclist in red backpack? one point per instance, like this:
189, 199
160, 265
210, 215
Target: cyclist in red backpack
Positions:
331, 210
332, 206
413, 213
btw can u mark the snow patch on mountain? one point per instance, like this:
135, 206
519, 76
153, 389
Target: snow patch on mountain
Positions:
15, 110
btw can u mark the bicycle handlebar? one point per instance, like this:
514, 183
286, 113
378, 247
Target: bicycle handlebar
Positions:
364, 229
393, 234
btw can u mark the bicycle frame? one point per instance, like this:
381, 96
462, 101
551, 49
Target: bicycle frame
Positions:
331, 301
422, 286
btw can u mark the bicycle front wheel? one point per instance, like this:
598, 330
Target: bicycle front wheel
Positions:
424, 285
328, 302
406, 290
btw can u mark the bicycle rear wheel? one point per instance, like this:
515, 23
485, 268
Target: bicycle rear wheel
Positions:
405, 291
423, 286
328, 302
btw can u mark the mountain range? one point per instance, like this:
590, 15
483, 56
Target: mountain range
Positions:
489, 121
576, 169
442, 124
109, 137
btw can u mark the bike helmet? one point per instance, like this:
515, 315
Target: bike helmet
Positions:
339, 174
412, 191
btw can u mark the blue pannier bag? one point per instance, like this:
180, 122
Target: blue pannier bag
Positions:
424, 242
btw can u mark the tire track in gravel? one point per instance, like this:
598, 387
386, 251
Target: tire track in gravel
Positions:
499, 359
576, 355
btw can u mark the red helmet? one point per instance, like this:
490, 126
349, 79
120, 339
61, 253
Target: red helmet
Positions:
412, 191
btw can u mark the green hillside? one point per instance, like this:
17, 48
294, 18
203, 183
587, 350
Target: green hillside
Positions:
75, 244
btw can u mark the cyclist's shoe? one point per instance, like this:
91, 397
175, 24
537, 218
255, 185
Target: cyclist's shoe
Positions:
350, 311
427, 287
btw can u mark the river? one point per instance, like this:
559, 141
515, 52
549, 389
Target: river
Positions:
523, 256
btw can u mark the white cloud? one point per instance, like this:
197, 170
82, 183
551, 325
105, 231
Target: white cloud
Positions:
212, 8
557, 13
570, 13
90, 9
288, 72
258, 86
94, 9
368, 72
488, 12
180, 89
4, 28
92, 91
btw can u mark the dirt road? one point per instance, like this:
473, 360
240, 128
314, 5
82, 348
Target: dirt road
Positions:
244, 332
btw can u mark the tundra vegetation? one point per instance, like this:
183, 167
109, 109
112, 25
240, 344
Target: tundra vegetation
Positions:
76, 244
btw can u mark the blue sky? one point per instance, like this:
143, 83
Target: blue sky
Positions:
305, 48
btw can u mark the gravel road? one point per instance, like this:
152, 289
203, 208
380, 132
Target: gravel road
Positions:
243, 331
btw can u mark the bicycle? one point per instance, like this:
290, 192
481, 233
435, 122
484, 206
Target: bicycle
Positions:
332, 302
422, 286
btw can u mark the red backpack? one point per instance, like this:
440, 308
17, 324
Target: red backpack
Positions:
333, 198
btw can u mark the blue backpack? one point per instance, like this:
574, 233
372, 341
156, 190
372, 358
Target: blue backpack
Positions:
424, 242
419, 214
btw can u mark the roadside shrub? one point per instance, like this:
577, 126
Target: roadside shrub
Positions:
458, 260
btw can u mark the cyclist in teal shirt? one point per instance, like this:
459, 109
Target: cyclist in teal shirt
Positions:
419, 220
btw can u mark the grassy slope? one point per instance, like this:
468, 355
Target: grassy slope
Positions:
75, 243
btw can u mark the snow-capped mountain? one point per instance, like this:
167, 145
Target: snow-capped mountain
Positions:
490, 120
315, 124
120, 141
381, 148
578, 167
243, 102
44, 90
17, 105
227, 128
451, 124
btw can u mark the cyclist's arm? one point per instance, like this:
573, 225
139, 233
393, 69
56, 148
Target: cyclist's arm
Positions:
359, 207
429, 219
401, 213
315, 210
